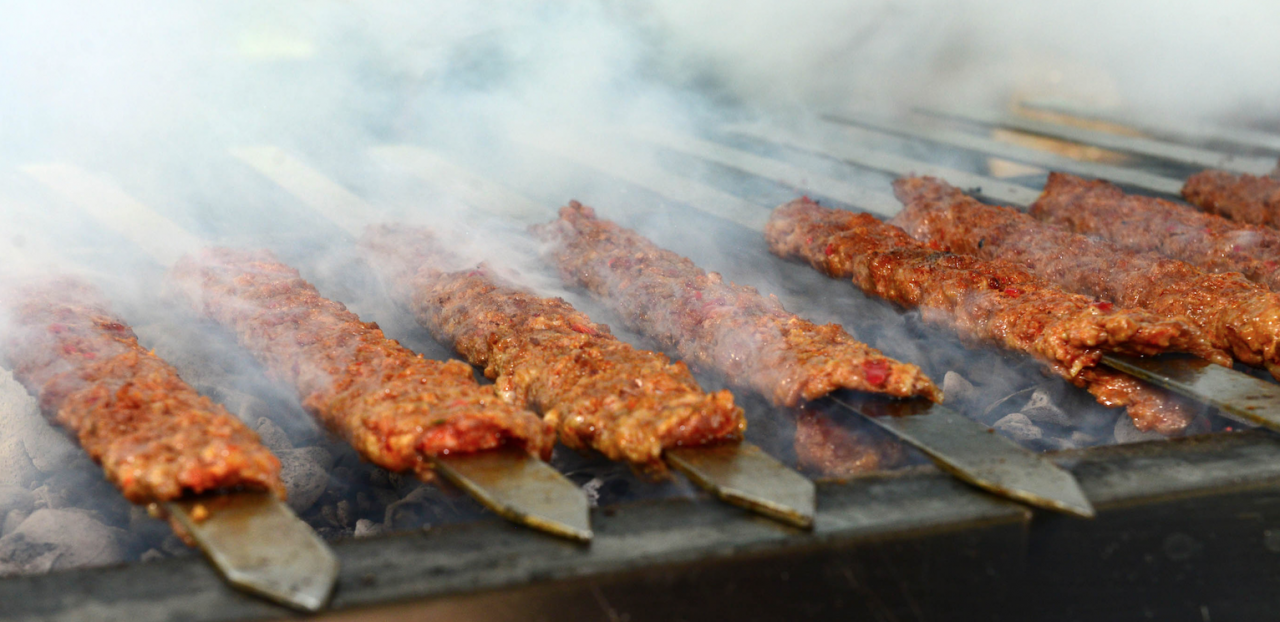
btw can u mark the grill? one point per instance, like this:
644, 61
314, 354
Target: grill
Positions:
975, 509
1185, 527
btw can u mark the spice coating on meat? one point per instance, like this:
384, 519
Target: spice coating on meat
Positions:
1155, 225
752, 340
597, 391
156, 438
397, 408
990, 302
1235, 315
826, 447
1243, 198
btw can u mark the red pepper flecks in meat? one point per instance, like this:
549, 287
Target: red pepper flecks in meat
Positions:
1234, 315
397, 408
750, 339
1155, 225
1065, 331
156, 438
599, 392
1242, 198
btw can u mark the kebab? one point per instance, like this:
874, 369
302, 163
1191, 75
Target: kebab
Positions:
755, 342
750, 339
400, 410
1156, 225
162, 444
1233, 314
990, 302
1245, 198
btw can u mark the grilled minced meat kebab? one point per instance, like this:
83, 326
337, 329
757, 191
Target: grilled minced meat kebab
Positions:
750, 339
597, 391
1155, 225
824, 446
156, 438
1233, 313
991, 302
397, 408
1242, 198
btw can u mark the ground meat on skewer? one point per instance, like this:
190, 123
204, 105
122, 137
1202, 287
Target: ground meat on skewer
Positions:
599, 392
1155, 225
156, 438
1234, 314
1243, 198
824, 446
750, 339
395, 407
991, 302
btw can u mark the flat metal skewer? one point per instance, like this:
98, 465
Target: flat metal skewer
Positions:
954, 442
107, 202
260, 545
738, 473
975, 453
1183, 131
1144, 146
929, 131
1236, 394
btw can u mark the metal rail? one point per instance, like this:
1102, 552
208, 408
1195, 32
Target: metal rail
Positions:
930, 131
1185, 132
1192, 156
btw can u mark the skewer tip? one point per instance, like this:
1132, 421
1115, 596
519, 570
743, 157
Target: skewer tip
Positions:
744, 475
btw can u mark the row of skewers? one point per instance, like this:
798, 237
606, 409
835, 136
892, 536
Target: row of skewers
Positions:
560, 375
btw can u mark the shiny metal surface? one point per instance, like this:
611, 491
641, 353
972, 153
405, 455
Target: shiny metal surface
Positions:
523, 489
1237, 395
744, 475
258, 544
1193, 156
975, 453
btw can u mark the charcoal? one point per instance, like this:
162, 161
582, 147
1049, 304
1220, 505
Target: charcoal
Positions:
16, 468
304, 477
957, 389
11, 521
16, 498
1019, 428
51, 539
1041, 410
366, 528
272, 436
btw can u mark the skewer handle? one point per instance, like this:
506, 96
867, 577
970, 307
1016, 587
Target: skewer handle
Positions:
744, 475
521, 488
259, 545
1237, 395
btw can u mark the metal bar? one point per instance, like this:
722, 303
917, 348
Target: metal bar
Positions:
891, 163
259, 545
635, 170
739, 474
84, 188
1186, 131
974, 453
744, 475
1144, 146
337, 203
1237, 396
522, 489
1008, 151
790, 175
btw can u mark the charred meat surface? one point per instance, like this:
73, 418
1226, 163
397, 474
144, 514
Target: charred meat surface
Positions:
991, 302
750, 339
156, 438
597, 391
1234, 314
824, 446
397, 408
1243, 198
1155, 225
